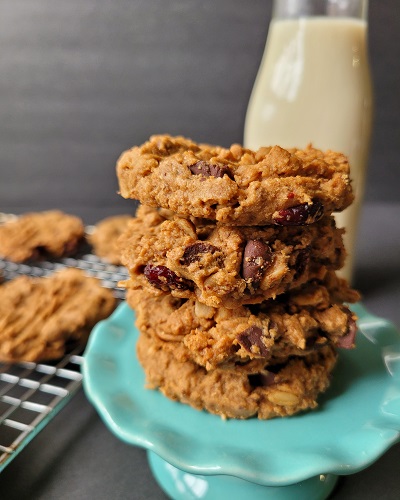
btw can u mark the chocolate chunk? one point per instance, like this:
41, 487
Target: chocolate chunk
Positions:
210, 169
193, 252
316, 342
302, 261
43, 252
262, 379
165, 279
251, 340
39, 253
299, 215
257, 257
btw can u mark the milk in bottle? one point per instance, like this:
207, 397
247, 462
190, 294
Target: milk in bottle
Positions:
314, 86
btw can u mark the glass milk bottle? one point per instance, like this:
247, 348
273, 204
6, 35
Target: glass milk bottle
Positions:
314, 86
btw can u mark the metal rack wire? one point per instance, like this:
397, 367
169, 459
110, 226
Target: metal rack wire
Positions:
31, 394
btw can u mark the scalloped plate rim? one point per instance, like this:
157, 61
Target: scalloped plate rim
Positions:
321, 462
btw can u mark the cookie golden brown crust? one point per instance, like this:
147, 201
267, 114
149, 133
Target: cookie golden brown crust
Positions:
40, 235
105, 235
235, 186
39, 317
283, 391
295, 324
225, 266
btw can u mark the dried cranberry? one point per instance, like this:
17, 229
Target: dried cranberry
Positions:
348, 340
165, 279
299, 215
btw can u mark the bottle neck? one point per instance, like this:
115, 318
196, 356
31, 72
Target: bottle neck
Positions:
292, 9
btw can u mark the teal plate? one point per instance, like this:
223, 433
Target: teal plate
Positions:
357, 420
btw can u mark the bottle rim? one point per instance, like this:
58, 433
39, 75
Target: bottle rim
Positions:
292, 9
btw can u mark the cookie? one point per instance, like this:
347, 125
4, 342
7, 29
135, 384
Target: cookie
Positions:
278, 391
236, 186
40, 235
295, 324
41, 317
226, 266
105, 235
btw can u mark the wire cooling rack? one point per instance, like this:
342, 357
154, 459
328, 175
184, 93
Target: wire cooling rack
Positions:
31, 394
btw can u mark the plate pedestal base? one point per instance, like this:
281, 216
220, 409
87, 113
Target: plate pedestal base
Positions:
181, 485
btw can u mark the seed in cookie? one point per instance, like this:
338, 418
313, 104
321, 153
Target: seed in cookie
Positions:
283, 398
299, 215
257, 258
165, 279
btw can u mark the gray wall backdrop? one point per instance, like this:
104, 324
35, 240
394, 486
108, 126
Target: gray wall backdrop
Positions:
82, 80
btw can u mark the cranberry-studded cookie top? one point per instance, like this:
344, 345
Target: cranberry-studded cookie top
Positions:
236, 186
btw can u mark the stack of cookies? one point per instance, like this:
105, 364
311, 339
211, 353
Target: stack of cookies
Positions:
232, 258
